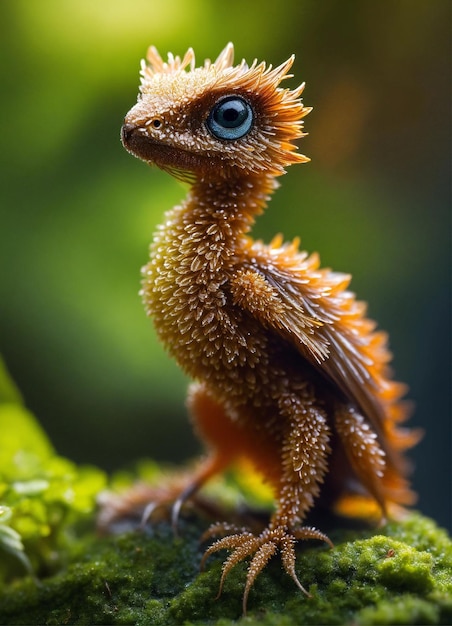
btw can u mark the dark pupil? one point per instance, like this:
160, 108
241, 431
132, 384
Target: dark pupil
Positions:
230, 114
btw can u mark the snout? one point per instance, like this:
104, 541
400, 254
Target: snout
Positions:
127, 131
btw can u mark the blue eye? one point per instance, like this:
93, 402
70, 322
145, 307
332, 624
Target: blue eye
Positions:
230, 118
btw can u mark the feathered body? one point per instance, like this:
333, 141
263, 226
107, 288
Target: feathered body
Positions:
289, 372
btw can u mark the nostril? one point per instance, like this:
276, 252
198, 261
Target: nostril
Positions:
126, 132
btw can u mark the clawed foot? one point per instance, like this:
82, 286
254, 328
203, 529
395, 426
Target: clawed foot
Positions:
136, 506
163, 499
243, 543
143, 503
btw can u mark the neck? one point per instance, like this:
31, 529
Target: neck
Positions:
232, 203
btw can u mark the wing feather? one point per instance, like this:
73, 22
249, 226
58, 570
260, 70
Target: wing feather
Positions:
312, 309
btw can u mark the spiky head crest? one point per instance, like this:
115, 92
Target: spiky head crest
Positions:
171, 125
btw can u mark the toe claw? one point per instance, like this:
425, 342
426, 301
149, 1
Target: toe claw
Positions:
307, 532
258, 562
221, 528
147, 513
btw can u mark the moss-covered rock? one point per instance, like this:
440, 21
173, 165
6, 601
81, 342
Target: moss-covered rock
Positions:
400, 575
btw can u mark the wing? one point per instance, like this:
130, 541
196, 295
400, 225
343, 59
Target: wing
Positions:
312, 309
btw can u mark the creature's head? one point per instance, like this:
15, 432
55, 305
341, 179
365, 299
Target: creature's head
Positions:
216, 120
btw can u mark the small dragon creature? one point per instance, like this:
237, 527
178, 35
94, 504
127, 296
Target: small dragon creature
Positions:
289, 372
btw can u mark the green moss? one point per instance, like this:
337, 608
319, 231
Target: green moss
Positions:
153, 578
398, 574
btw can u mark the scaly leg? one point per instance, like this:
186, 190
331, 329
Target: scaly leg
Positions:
303, 459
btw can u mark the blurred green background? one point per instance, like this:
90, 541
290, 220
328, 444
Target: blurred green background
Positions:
78, 212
